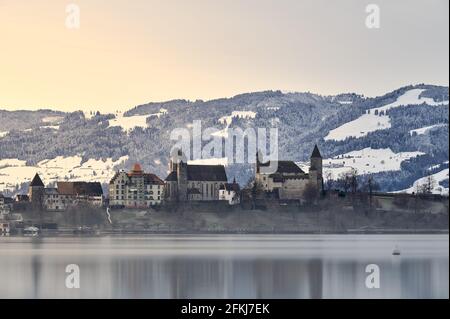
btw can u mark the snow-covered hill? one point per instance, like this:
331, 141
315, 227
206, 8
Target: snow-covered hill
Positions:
395, 137
14, 172
377, 118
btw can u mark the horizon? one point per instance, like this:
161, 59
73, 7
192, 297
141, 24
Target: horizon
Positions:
123, 110
118, 55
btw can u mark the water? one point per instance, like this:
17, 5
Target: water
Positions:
226, 266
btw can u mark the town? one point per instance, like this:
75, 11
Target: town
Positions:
201, 198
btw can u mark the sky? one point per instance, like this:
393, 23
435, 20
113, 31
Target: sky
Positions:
127, 53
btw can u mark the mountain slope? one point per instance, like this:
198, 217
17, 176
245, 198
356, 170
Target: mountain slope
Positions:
303, 119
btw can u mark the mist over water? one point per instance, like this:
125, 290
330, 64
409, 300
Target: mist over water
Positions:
226, 266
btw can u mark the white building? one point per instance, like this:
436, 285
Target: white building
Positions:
230, 192
135, 189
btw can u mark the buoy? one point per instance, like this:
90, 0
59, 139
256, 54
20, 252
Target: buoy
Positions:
396, 251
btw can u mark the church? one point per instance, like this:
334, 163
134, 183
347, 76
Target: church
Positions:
187, 182
289, 181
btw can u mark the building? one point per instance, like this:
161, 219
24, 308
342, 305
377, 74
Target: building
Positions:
36, 192
135, 189
4, 228
6, 204
65, 195
289, 181
193, 182
73, 193
230, 192
21, 198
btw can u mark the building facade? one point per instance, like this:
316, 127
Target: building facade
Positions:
135, 189
230, 192
187, 182
66, 194
289, 181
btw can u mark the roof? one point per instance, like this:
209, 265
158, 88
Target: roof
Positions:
172, 177
316, 152
37, 181
210, 173
285, 167
202, 173
80, 188
136, 171
152, 179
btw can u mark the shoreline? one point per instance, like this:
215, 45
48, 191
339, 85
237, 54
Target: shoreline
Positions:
100, 233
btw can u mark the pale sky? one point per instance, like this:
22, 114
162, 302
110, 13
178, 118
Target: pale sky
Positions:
133, 52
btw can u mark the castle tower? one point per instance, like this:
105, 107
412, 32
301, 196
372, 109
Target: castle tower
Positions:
316, 170
36, 192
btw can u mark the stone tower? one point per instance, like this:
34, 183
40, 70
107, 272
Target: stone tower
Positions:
182, 181
36, 192
178, 164
316, 170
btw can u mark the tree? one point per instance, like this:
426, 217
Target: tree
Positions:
353, 176
426, 187
329, 181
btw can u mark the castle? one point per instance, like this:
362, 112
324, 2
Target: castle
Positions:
289, 181
66, 194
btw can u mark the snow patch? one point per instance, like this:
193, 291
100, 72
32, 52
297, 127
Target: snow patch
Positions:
360, 127
227, 120
376, 119
437, 189
237, 114
52, 119
14, 172
367, 161
423, 130
53, 127
129, 123
3, 134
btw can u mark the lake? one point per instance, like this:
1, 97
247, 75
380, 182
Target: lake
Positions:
226, 266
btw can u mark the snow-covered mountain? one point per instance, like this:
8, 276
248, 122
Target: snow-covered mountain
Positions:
399, 138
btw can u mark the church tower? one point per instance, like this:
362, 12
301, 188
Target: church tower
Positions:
178, 165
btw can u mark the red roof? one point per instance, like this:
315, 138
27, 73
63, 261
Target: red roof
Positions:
137, 170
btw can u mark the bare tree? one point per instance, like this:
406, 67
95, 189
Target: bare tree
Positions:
329, 181
353, 176
427, 186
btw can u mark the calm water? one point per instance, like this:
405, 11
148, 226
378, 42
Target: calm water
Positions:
247, 266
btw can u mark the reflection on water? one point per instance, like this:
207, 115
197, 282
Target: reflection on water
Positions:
294, 266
